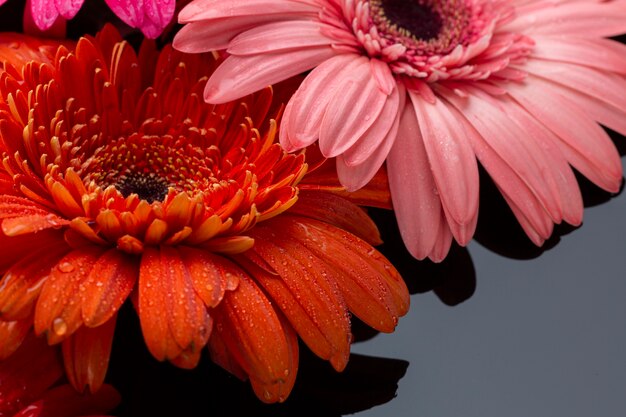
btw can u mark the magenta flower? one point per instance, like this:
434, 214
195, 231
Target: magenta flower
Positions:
432, 86
150, 16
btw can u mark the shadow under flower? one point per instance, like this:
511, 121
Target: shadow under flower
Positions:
151, 388
453, 280
500, 232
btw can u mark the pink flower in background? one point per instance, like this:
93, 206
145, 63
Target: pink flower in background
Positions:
432, 86
150, 16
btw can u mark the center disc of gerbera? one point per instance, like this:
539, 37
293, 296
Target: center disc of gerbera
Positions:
149, 165
424, 26
416, 17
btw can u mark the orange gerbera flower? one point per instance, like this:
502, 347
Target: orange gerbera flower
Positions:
28, 386
119, 181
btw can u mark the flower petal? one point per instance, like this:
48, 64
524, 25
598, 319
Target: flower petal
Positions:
305, 110
240, 76
525, 158
371, 286
278, 37
351, 111
310, 301
216, 9
583, 143
107, 286
452, 163
58, 310
251, 330
343, 214
211, 275
413, 190
64, 401
602, 54
12, 334
173, 317
21, 285
44, 13
68, 8
86, 356
29, 372
571, 18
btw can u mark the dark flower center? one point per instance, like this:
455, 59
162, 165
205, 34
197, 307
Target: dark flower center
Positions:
415, 16
148, 187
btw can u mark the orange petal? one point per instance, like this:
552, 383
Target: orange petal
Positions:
32, 224
107, 286
211, 275
22, 283
64, 401
373, 289
29, 372
173, 317
58, 310
86, 356
12, 334
222, 356
311, 302
279, 391
254, 335
15, 248
337, 211
324, 178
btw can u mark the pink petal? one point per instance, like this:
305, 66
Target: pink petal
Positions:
443, 242
511, 173
131, 12
602, 85
413, 191
571, 18
359, 164
453, 164
215, 9
603, 54
240, 76
351, 111
68, 8
596, 109
159, 12
383, 76
508, 140
583, 143
305, 111
538, 237
215, 35
570, 197
278, 36
382, 132
43, 12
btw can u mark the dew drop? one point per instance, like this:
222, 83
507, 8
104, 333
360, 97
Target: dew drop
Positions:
209, 287
267, 395
66, 267
59, 326
286, 372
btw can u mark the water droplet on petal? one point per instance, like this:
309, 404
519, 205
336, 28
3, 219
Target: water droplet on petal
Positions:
65, 267
267, 395
59, 326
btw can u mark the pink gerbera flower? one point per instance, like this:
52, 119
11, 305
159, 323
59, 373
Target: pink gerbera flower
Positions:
432, 86
150, 16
